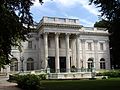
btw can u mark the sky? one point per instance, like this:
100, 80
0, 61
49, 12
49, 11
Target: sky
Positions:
74, 9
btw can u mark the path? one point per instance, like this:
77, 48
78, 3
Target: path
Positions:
5, 85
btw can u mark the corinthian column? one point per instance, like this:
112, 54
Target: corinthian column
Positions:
83, 53
78, 53
57, 66
96, 54
67, 54
45, 50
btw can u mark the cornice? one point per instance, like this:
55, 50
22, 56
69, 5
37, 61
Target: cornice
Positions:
94, 33
61, 25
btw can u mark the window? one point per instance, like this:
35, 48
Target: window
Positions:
49, 44
29, 44
89, 46
101, 46
30, 64
90, 63
59, 43
14, 64
70, 43
102, 63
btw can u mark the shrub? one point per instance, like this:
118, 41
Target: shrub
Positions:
42, 76
110, 74
28, 82
12, 78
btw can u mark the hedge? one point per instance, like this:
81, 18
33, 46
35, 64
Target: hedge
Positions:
110, 74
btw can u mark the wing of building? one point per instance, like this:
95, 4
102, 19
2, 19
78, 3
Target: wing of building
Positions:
62, 44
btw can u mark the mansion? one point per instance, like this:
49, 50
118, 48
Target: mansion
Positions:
61, 44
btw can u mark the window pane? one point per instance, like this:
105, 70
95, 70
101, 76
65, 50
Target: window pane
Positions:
101, 46
29, 44
49, 44
89, 46
59, 43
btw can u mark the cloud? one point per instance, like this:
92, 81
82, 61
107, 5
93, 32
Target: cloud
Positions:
83, 3
62, 8
71, 3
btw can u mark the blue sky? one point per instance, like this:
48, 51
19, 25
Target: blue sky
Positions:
75, 9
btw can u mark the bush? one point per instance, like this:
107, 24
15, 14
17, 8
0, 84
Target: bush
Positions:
42, 76
110, 74
12, 78
28, 82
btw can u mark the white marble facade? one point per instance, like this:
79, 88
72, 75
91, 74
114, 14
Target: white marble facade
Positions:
62, 43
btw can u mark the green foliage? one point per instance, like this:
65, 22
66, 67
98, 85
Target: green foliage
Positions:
29, 82
42, 76
102, 24
14, 16
110, 74
110, 10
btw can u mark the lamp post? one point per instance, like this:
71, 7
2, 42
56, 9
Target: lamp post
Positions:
22, 59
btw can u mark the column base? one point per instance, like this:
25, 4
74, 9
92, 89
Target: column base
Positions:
68, 70
78, 69
57, 71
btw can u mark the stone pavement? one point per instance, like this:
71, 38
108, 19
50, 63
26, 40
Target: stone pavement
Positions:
5, 85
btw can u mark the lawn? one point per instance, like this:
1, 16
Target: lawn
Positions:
110, 84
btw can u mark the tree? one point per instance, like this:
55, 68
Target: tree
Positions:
102, 24
111, 11
15, 22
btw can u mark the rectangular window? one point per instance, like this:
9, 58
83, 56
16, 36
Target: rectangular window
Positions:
29, 44
59, 43
49, 44
89, 46
101, 46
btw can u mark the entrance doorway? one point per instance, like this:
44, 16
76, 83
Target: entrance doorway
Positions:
62, 64
51, 64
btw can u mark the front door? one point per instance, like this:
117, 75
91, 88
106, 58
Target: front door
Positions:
62, 64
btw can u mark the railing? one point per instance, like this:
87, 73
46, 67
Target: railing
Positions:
59, 20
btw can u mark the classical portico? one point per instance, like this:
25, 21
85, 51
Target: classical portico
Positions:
67, 49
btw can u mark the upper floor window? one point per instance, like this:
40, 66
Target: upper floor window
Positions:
59, 43
89, 46
49, 44
29, 44
101, 46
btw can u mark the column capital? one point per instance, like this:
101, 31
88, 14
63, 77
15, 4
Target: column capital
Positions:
77, 35
82, 40
95, 41
45, 32
67, 34
56, 33
107, 41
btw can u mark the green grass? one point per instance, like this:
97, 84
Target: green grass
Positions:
110, 84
